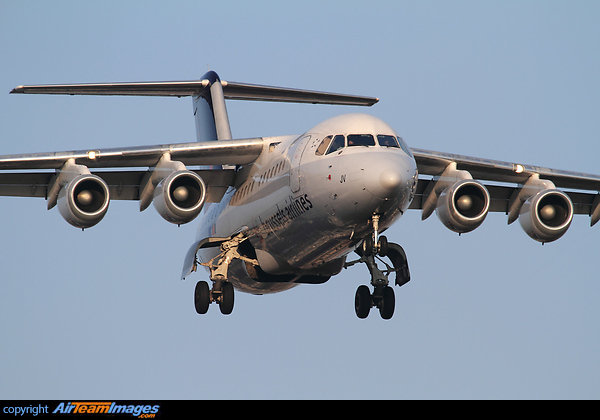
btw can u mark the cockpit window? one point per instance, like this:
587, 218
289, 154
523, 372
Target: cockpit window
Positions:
323, 146
387, 141
338, 142
360, 140
404, 147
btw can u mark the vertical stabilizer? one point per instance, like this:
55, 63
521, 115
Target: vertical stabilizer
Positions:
210, 112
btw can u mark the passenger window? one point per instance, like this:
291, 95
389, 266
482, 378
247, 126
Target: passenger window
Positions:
361, 140
404, 147
323, 146
388, 141
338, 143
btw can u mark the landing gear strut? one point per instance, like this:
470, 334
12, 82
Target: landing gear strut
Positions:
373, 247
222, 291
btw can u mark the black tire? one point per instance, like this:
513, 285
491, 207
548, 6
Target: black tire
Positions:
367, 246
388, 303
362, 302
202, 297
227, 298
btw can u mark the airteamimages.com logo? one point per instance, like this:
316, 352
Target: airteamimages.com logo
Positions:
141, 411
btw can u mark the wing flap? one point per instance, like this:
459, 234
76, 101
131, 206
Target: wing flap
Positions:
25, 184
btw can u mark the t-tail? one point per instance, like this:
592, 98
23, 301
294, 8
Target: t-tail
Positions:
208, 94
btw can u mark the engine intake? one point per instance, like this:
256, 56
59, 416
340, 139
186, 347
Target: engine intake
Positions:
547, 215
179, 198
83, 202
463, 206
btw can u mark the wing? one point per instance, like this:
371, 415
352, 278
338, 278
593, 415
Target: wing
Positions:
65, 178
225, 152
125, 185
512, 188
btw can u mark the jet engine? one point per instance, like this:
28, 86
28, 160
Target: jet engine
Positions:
179, 198
463, 206
547, 215
83, 202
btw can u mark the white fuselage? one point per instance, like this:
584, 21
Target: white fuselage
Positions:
304, 207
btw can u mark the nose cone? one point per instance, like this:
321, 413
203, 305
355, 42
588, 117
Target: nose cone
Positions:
390, 179
384, 179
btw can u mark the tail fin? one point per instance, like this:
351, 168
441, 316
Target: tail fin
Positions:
210, 112
209, 94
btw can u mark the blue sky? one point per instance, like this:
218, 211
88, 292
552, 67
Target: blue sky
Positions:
491, 314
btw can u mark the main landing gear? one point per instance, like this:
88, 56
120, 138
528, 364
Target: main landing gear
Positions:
222, 291
373, 247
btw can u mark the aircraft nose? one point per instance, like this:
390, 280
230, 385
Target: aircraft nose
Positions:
384, 179
390, 179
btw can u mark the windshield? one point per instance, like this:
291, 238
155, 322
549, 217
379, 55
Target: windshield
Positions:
332, 143
404, 146
323, 146
387, 141
337, 143
360, 140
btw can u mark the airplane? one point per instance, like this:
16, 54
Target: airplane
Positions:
276, 212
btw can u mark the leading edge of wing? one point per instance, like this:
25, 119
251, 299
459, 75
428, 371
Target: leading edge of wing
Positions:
433, 163
225, 152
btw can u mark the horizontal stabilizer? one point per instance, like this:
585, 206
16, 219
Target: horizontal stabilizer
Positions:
250, 92
183, 88
231, 90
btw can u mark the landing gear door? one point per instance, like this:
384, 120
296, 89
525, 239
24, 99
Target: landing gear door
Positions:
296, 152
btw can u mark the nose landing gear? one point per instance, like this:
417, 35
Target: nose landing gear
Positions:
383, 295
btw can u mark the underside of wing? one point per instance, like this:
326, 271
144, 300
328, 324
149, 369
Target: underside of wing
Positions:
463, 189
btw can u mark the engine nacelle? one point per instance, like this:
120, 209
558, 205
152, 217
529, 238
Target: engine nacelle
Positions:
463, 206
547, 215
83, 202
179, 198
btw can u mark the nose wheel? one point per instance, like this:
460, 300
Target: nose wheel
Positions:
383, 296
